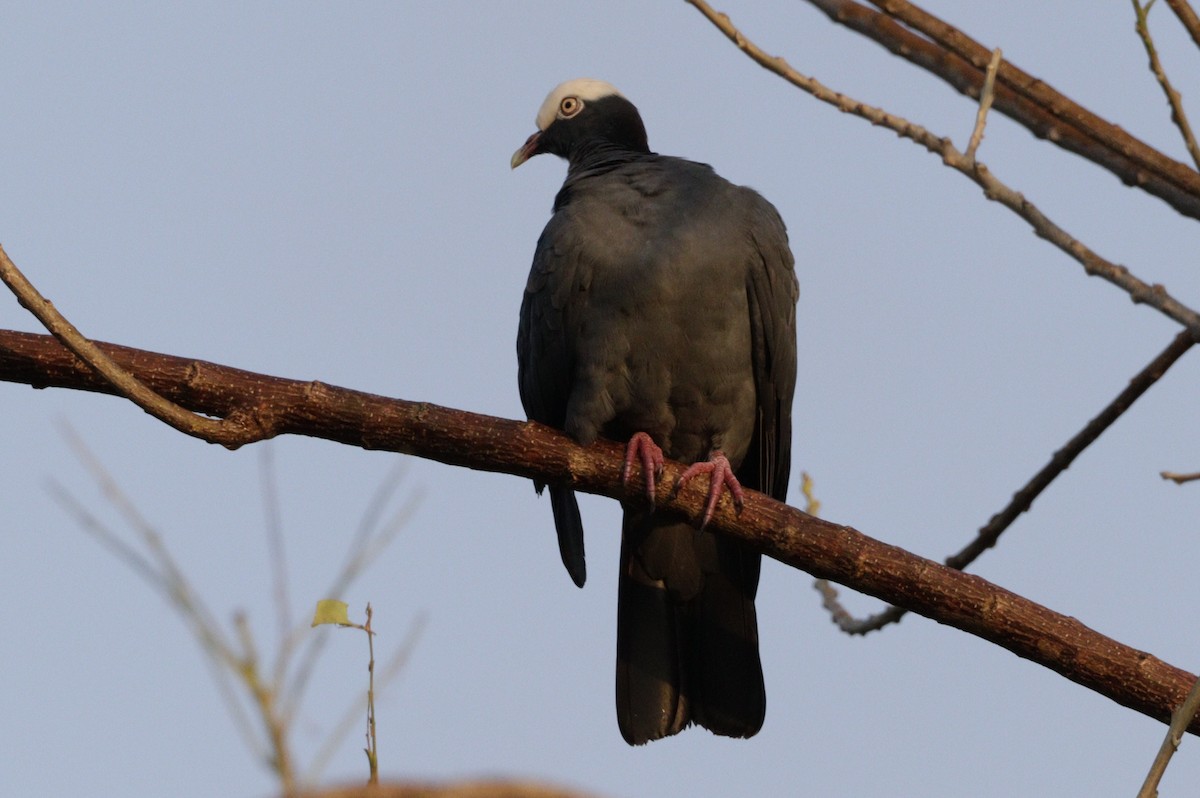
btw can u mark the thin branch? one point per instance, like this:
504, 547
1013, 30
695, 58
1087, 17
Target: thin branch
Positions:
237, 429
1140, 292
986, 96
1178, 116
1179, 479
338, 734
1180, 720
1028, 101
1130, 677
1023, 499
1187, 17
162, 573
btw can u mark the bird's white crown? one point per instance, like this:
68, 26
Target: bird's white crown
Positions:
585, 89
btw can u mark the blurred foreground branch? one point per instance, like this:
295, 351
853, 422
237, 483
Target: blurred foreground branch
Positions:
826, 550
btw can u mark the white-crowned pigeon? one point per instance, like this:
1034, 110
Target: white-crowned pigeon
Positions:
661, 312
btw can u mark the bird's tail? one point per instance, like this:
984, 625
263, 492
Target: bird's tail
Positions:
570, 532
687, 633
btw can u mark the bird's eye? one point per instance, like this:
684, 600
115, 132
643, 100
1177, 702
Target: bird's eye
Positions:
569, 107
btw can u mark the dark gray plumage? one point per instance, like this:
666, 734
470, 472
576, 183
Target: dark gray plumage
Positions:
662, 301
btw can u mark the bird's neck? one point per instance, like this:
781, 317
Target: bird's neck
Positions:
600, 156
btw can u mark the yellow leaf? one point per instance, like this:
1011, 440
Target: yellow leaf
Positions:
331, 611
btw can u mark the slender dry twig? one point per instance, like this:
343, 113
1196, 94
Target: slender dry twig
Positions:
1178, 116
1180, 720
237, 429
1187, 17
271, 693
160, 571
1062, 459
986, 96
1140, 292
1023, 499
1179, 479
343, 727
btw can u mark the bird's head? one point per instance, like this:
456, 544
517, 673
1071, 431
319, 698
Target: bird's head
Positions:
583, 115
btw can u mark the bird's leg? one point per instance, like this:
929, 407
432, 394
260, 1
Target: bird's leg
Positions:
643, 449
720, 478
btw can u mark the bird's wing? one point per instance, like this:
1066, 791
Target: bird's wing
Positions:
727, 685
545, 365
772, 291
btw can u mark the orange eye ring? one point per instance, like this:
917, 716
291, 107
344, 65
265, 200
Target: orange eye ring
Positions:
569, 107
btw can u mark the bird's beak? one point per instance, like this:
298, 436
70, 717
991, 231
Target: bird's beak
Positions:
527, 151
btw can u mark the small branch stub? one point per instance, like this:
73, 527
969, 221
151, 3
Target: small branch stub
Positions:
986, 95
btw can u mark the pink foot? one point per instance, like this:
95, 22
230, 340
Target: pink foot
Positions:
720, 478
643, 449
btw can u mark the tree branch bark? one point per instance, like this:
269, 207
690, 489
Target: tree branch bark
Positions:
944, 51
1132, 678
1141, 292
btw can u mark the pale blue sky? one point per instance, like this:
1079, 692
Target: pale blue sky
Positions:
322, 191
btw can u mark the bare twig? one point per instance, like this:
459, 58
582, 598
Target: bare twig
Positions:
1139, 291
1187, 17
273, 697
1023, 499
1062, 459
1180, 720
372, 749
237, 429
161, 572
399, 659
1179, 479
986, 96
1178, 116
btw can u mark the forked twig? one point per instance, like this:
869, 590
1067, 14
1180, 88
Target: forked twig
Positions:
986, 96
237, 429
1181, 718
1174, 99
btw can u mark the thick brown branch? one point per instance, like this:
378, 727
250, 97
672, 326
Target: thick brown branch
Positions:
1187, 18
962, 62
1130, 677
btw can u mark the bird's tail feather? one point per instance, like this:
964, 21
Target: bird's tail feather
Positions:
570, 532
687, 634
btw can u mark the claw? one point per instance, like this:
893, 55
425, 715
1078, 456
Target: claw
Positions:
643, 449
720, 478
